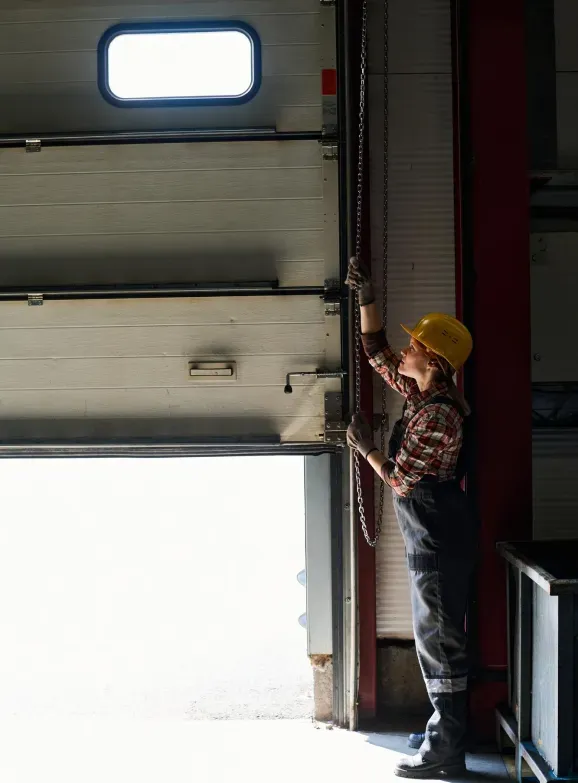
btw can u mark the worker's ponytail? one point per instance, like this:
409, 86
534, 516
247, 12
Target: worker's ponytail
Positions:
446, 375
458, 397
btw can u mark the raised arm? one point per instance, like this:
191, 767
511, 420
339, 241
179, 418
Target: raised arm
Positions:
381, 357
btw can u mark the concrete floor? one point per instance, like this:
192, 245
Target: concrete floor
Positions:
108, 751
115, 681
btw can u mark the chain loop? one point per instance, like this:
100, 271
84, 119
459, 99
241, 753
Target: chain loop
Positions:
358, 231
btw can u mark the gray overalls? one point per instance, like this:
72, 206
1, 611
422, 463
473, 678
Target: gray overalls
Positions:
440, 532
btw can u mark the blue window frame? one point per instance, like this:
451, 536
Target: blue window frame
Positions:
179, 64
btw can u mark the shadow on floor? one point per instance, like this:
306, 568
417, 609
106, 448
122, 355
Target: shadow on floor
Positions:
484, 765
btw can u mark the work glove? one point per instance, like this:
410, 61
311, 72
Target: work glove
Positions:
359, 280
360, 436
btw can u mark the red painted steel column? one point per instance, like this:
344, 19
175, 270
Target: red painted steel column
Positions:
458, 127
366, 576
495, 62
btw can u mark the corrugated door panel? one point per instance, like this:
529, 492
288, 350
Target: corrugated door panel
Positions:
248, 215
554, 282
165, 213
160, 339
57, 10
48, 66
555, 488
419, 40
155, 186
81, 369
150, 372
278, 60
554, 277
566, 21
421, 274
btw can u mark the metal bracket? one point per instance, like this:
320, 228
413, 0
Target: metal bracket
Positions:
335, 427
329, 132
331, 297
332, 308
35, 300
327, 3
319, 374
330, 150
33, 145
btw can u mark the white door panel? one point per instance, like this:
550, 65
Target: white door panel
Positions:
49, 66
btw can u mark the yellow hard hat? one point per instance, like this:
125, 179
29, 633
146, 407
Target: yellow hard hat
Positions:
445, 336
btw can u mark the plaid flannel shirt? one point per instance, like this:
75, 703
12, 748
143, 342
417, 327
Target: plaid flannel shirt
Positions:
433, 435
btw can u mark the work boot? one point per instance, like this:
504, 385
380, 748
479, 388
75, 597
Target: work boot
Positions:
418, 767
446, 729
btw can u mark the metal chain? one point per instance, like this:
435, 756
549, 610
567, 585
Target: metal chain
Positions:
357, 321
385, 246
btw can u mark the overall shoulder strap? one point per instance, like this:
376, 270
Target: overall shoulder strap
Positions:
443, 399
464, 455
440, 399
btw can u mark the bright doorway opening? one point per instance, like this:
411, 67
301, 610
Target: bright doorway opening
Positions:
153, 589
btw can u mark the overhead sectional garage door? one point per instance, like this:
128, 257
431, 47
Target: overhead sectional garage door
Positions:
241, 236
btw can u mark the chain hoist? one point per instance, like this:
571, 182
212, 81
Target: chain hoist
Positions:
357, 320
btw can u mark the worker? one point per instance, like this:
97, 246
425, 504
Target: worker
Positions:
424, 466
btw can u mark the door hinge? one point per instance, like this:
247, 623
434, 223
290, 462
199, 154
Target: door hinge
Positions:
329, 133
332, 308
33, 145
331, 297
35, 300
335, 427
330, 150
